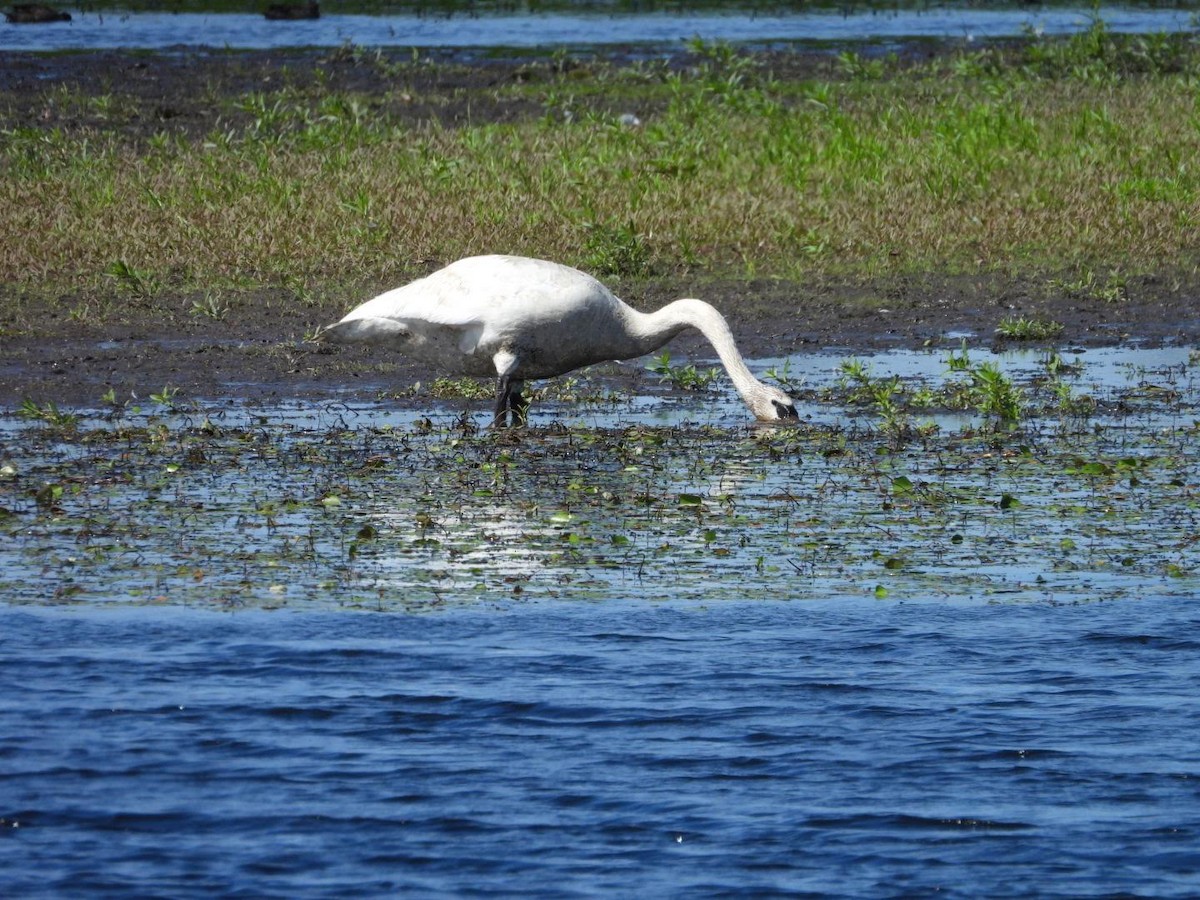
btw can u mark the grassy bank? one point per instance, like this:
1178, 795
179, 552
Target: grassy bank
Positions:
1077, 156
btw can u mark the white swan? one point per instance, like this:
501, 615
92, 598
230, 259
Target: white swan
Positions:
520, 319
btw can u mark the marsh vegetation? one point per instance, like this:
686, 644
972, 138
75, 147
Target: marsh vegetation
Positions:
1066, 164
1071, 158
1081, 485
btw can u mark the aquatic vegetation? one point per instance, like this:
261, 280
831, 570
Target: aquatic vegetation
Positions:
223, 508
688, 377
995, 394
48, 413
986, 389
166, 397
961, 361
782, 376
1056, 366
885, 395
464, 388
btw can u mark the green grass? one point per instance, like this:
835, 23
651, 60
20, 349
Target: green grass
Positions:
1022, 328
686, 377
1064, 156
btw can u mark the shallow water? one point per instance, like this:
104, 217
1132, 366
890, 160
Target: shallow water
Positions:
558, 749
616, 494
160, 31
639, 648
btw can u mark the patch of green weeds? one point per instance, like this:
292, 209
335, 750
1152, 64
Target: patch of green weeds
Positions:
1089, 286
987, 390
113, 407
1098, 54
573, 389
212, 306
446, 388
349, 53
783, 377
688, 377
859, 67
615, 249
995, 394
727, 75
959, 362
166, 398
888, 397
136, 281
49, 414
1069, 403
1057, 367
1020, 328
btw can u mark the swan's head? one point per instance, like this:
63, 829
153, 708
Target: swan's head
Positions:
772, 405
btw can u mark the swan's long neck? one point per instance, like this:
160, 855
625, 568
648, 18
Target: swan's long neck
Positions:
652, 330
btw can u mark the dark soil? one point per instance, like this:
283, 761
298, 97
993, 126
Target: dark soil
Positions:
256, 349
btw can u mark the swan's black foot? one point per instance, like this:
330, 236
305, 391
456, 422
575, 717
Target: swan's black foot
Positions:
520, 409
509, 401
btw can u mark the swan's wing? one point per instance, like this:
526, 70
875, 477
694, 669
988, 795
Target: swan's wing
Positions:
439, 299
371, 330
480, 303
393, 332
438, 307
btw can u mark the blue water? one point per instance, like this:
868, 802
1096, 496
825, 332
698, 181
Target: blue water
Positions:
252, 31
558, 749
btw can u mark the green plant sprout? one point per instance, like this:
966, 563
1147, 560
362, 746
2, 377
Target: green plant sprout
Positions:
1020, 328
688, 377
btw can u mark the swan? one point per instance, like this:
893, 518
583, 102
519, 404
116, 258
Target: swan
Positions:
520, 319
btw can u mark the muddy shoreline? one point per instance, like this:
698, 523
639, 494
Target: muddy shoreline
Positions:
256, 348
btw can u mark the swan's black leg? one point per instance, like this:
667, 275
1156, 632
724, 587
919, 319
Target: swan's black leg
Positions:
518, 404
509, 399
503, 401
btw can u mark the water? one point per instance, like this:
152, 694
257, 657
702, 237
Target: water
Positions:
333, 650
829, 749
649, 492
158, 31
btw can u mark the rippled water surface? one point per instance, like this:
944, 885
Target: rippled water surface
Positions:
840, 749
636, 649
252, 31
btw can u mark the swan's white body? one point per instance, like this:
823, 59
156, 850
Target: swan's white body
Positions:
520, 319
